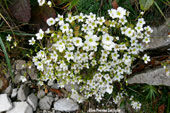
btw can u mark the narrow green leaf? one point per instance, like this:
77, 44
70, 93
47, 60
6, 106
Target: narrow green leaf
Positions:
145, 4
160, 10
7, 58
72, 4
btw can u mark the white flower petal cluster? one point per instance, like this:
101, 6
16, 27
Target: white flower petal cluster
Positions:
9, 38
41, 2
93, 52
136, 105
146, 58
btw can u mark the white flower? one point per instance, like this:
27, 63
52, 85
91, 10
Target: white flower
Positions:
141, 22
23, 78
109, 47
146, 40
47, 31
54, 56
112, 13
121, 12
118, 77
41, 2
60, 46
113, 23
107, 39
91, 40
129, 32
69, 56
136, 105
139, 28
101, 20
41, 54
40, 66
49, 3
169, 36
69, 18
91, 17
109, 89
40, 34
32, 41
65, 27
146, 58
60, 19
51, 21
77, 41
80, 17
9, 38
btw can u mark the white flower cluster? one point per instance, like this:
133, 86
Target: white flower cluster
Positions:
135, 104
90, 51
42, 2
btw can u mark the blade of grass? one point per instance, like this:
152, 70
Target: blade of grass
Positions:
19, 33
160, 10
7, 23
7, 58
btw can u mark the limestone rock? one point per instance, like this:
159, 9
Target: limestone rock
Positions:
67, 105
21, 107
41, 94
14, 93
20, 64
5, 103
32, 72
32, 100
45, 103
159, 37
152, 77
23, 93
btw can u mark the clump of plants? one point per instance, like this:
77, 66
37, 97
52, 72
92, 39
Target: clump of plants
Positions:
93, 52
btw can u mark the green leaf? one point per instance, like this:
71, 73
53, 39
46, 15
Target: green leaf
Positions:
145, 4
7, 58
72, 4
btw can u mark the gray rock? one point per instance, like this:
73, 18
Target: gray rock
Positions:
17, 78
56, 98
159, 37
55, 86
67, 105
45, 103
21, 107
14, 93
69, 87
32, 100
8, 90
40, 94
23, 93
75, 97
5, 103
152, 77
50, 83
50, 94
32, 72
20, 64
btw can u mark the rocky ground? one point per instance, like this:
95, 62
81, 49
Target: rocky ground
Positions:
27, 97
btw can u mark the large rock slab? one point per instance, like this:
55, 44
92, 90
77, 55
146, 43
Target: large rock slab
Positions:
21, 107
67, 105
5, 103
159, 37
152, 77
